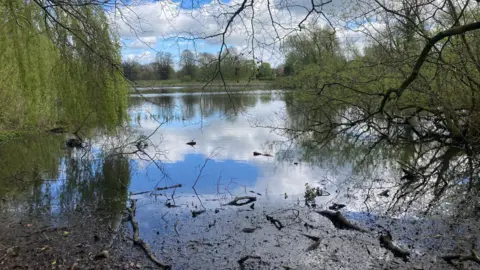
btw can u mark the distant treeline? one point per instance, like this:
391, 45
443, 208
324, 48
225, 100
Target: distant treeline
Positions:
200, 67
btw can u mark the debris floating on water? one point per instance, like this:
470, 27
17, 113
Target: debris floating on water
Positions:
339, 221
248, 230
336, 206
385, 193
197, 213
169, 187
238, 200
275, 222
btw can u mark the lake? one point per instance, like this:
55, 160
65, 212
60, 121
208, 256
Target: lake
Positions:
183, 157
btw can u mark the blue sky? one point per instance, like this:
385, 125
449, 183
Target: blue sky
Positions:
161, 23
144, 47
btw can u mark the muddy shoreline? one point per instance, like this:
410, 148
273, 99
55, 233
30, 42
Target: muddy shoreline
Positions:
229, 237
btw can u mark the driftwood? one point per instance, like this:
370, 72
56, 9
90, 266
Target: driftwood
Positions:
245, 258
339, 221
236, 202
174, 186
138, 241
386, 241
275, 222
255, 153
336, 206
385, 193
462, 258
248, 230
197, 213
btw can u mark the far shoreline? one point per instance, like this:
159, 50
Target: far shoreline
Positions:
172, 86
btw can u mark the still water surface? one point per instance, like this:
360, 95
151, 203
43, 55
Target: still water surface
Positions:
227, 129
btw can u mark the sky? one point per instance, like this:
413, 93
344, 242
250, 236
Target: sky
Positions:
147, 27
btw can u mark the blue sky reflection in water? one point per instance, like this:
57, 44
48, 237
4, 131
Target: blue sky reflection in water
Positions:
227, 133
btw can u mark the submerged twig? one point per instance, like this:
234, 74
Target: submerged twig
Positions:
138, 241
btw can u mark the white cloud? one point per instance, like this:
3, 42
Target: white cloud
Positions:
252, 30
258, 31
143, 43
144, 57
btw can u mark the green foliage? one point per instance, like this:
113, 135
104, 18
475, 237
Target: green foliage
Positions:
265, 71
233, 67
51, 74
319, 46
311, 193
162, 67
189, 68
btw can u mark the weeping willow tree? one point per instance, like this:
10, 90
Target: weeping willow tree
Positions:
59, 63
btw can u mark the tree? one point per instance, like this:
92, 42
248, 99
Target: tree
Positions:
131, 70
413, 86
265, 71
163, 66
318, 46
188, 64
54, 69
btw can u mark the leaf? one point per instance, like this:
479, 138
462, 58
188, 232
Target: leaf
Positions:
65, 233
54, 262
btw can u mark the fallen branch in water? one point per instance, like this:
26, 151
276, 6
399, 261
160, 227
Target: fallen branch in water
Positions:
245, 258
236, 202
462, 258
174, 186
386, 241
275, 222
138, 241
339, 221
